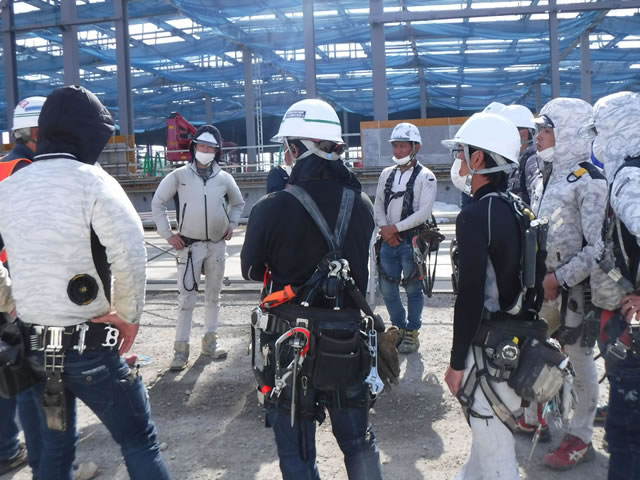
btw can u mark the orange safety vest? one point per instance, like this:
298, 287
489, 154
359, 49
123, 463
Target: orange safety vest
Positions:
6, 169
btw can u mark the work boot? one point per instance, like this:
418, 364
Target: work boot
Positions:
401, 332
523, 427
85, 471
410, 342
180, 357
571, 452
19, 459
209, 347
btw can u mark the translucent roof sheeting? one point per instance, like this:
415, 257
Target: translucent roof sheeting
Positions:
182, 50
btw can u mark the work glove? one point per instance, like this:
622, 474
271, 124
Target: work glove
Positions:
388, 361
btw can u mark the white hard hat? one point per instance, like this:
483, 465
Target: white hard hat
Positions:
405, 132
520, 115
489, 132
310, 118
206, 138
494, 107
27, 112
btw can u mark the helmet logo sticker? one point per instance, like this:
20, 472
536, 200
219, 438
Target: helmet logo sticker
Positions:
296, 114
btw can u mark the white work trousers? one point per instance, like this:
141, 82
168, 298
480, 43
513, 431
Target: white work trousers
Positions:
493, 454
212, 255
585, 383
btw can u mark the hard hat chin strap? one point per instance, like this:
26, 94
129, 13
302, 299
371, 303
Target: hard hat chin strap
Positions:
312, 149
502, 164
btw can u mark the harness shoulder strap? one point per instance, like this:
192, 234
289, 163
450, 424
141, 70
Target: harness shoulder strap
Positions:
335, 239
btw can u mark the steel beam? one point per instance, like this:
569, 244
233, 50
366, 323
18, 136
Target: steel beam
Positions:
9, 59
123, 63
585, 67
208, 110
309, 49
379, 64
71, 57
250, 105
393, 17
554, 50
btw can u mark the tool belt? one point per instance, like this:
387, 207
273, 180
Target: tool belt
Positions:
54, 343
18, 371
513, 351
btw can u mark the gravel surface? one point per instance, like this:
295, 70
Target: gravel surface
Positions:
211, 425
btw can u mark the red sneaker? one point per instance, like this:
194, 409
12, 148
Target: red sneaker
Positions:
571, 452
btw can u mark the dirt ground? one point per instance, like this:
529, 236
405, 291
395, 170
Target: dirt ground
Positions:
212, 426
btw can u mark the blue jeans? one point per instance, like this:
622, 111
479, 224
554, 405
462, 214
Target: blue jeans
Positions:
104, 382
8, 429
30, 421
351, 430
623, 421
396, 261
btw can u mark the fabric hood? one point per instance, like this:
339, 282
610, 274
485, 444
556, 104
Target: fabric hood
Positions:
74, 121
616, 118
568, 116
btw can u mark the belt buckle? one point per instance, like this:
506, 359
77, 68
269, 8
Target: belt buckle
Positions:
111, 336
53, 352
82, 328
53, 335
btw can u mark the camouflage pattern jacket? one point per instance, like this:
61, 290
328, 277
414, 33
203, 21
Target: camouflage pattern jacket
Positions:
616, 119
574, 199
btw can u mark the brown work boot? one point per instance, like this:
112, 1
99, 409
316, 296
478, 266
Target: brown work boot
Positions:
19, 459
410, 342
180, 357
210, 347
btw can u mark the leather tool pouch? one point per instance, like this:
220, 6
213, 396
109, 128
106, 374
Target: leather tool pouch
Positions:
54, 404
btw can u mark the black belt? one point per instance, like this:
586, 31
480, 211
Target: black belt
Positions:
85, 336
190, 241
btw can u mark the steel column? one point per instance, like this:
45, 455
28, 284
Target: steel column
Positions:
423, 93
9, 60
208, 110
585, 67
554, 49
309, 49
123, 63
250, 105
71, 58
379, 64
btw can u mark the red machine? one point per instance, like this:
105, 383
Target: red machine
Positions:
179, 135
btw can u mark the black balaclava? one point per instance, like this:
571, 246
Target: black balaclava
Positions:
74, 121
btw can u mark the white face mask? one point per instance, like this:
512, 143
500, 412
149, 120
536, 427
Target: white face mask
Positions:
403, 160
546, 155
205, 158
457, 179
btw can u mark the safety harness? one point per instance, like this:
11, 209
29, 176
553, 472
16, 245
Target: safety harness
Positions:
499, 344
618, 336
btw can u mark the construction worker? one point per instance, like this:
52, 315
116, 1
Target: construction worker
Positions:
279, 175
76, 323
617, 145
285, 247
574, 202
489, 259
404, 202
209, 206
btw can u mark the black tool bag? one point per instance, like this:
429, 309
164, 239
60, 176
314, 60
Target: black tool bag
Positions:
18, 371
